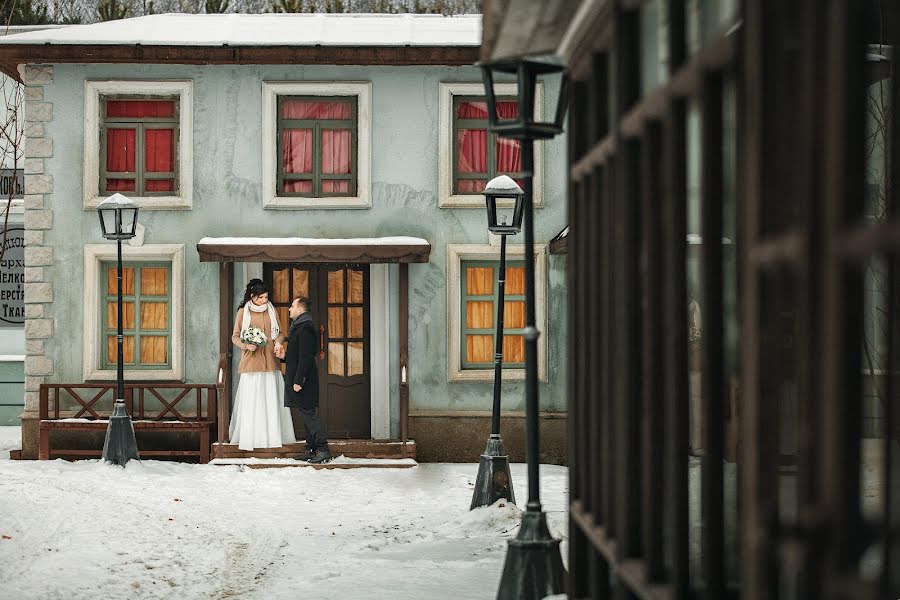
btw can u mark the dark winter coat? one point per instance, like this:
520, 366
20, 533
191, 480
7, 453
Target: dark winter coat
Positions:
300, 364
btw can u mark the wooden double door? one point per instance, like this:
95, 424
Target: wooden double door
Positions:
339, 294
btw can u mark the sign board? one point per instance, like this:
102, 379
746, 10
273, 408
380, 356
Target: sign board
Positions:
12, 181
12, 277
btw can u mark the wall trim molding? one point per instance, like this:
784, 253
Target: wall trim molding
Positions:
379, 351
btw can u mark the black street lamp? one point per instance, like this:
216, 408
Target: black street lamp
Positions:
533, 566
503, 198
118, 221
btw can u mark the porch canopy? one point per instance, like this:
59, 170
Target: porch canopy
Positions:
314, 250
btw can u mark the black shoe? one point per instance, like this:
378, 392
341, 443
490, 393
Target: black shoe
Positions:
322, 456
307, 456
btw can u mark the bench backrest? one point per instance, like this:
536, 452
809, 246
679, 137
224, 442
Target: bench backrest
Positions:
143, 401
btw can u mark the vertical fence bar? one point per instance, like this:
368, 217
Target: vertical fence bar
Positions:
578, 544
587, 398
843, 193
759, 87
653, 388
675, 339
713, 385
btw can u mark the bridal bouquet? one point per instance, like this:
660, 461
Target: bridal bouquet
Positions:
255, 336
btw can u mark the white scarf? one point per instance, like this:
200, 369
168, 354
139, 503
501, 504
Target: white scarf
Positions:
273, 318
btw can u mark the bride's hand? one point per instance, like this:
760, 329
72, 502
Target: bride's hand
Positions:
251, 347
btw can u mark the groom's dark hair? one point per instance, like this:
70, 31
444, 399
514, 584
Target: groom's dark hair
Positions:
304, 301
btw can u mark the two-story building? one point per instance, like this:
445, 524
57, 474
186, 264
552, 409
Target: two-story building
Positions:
339, 157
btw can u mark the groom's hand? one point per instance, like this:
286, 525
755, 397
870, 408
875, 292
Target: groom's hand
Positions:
297, 387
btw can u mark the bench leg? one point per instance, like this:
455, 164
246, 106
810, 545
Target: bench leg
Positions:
44, 447
204, 445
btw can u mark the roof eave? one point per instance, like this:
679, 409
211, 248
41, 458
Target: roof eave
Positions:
12, 55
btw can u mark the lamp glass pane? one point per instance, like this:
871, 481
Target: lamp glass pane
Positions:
505, 212
129, 220
108, 220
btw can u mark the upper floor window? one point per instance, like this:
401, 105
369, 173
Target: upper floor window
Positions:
317, 139
470, 156
138, 138
479, 156
316, 144
137, 143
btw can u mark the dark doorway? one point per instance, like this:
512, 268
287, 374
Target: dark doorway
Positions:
340, 306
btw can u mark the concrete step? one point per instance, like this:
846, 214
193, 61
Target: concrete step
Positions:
381, 449
341, 462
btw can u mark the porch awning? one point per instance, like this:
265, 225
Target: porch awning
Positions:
314, 250
560, 242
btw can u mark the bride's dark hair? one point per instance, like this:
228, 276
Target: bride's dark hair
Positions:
255, 287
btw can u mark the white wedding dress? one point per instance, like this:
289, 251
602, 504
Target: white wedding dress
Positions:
260, 419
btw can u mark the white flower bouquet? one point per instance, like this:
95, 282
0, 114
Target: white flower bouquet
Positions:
255, 336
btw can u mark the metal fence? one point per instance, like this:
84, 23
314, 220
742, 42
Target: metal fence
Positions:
722, 245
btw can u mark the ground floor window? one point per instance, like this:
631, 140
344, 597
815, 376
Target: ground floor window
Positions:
473, 294
146, 314
152, 312
479, 296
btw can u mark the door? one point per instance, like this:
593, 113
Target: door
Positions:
340, 308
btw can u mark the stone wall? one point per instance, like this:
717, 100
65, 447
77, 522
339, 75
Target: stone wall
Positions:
38, 253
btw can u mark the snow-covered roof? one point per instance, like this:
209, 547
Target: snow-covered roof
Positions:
303, 29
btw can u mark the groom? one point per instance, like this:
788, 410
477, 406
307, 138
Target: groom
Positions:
301, 379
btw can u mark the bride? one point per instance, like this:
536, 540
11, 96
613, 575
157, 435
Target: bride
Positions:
259, 419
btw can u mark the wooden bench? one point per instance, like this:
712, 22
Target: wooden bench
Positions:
178, 414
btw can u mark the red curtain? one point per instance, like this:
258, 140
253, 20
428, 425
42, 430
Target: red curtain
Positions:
296, 157
336, 159
120, 158
159, 145
310, 109
336, 145
159, 158
140, 108
471, 146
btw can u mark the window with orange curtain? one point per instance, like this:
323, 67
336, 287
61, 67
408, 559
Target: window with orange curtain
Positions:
317, 146
146, 315
138, 140
479, 296
479, 156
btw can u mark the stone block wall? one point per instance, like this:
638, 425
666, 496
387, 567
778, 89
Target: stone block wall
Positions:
38, 255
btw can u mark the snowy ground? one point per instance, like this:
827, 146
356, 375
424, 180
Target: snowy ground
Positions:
170, 530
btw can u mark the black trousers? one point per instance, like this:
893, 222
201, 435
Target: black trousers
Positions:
315, 433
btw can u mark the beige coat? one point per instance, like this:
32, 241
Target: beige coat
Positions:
262, 359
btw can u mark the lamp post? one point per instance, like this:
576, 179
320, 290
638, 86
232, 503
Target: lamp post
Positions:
118, 221
494, 480
533, 566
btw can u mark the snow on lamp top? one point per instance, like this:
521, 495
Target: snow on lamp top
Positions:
117, 200
502, 185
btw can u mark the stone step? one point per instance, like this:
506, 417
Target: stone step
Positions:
381, 449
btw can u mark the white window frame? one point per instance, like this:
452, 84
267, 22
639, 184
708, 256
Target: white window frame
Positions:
456, 255
184, 90
94, 256
363, 92
446, 198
